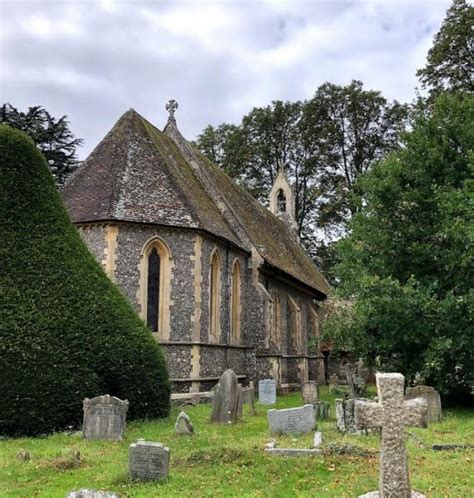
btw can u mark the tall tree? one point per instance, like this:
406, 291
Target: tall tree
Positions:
352, 129
451, 58
52, 137
323, 143
407, 265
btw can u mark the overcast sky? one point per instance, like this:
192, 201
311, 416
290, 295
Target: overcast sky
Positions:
93, 59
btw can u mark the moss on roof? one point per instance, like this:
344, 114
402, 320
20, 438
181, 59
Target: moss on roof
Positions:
138, 173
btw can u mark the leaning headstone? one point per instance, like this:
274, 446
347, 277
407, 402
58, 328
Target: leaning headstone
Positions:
292, 420
104, 418
321, 410
148, 461
225, 403
184, 425
309, 391
345, 416
91, 493
267, 392
431, 396
392, 414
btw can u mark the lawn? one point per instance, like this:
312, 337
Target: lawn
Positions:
224, 461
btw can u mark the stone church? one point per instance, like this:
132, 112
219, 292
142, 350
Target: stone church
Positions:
221, 281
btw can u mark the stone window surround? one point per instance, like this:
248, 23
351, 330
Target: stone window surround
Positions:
166, 263
215, 288
235, 302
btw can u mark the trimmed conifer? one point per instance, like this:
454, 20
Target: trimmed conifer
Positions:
66, 331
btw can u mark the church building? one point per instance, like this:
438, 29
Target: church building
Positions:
221, 281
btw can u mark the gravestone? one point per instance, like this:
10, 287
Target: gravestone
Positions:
317, 439
148, 461
292, 420
345, 416
225, 403
184, 425
104, 418
240, 401
91, 493
432, 398
321, 410
392, 414
309, 391
248, 396
267, 392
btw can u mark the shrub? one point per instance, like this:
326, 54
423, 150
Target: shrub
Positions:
66, 331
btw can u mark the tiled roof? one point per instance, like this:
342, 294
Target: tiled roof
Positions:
140, 174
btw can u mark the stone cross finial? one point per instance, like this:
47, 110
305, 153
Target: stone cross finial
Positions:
392, 414
171, 107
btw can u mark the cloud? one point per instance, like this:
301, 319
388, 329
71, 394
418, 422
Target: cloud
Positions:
94, 60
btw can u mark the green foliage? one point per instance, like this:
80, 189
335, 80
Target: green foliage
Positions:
450, 60
408, 264
324, 144
66, 332
52, 137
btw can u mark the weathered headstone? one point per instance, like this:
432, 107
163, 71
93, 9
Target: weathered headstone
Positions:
345, 416
91, 493
321, 410
309, 391
248, 396
225, 403
292, 420
317, 439
267, 392
240, 401
392, 414
183, 425
104, 418
23, 455
431, 396
148, 461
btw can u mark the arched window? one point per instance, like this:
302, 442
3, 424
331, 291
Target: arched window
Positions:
215, 297
153, 291
155, 276
281, 202
235, 303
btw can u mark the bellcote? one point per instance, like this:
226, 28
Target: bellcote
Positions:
282, 201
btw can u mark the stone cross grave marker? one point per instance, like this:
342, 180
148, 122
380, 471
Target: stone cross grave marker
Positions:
267, 392
148, 461
432, 398
392, 414
309, 391
104, 418
292, 420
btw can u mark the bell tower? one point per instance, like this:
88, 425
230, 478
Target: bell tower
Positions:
282, 201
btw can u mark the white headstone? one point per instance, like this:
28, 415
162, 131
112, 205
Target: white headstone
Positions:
267, 392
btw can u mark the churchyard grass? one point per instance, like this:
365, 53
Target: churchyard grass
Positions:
229, 460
